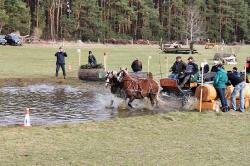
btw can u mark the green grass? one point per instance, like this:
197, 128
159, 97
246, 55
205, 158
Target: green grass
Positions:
37, 61
167, 139
188, 138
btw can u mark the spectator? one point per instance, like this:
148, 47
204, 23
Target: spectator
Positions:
235, 71
60, 61
191, 70
206, 67
220, 81
178, 68
91, 59
239, 85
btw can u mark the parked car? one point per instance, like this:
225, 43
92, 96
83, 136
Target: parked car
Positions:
13, 39
2, 40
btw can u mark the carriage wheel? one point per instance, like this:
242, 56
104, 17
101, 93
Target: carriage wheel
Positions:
165, 93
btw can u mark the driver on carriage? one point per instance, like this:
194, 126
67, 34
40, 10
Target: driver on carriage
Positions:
190, 72
178, 68
136, 65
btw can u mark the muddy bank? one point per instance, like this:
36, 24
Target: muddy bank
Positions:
73, 81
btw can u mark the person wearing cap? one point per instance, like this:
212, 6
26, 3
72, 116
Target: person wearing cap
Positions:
136, 65
239, 85
220, 81
60, 61
91, 59
191, 70
178, 68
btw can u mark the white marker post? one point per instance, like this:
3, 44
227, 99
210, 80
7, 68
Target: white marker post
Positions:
79, 57
202, 72
149, 57
166, 58
105, 61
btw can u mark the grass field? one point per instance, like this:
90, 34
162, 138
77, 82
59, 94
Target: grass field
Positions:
188, 138
177, 138
37, 61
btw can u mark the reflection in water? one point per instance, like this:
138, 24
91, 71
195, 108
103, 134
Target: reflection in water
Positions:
59, 104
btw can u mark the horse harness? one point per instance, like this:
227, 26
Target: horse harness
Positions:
134, 86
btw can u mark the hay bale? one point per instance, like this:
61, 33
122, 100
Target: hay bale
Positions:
246, 103
208, 92
230, 89
91, 74
206, 105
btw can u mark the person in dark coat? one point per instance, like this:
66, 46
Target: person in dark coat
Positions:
191, 70
206, 67
239, 85
214, 68
235, 71
136, 65
178, 68
248, 65
60, 61
91, 59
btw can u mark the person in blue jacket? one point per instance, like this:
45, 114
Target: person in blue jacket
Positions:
220, 81
60, 61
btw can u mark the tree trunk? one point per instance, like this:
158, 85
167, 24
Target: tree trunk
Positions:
37, 14
57, 18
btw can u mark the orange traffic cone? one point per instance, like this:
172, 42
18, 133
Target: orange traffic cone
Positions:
70, 67
27, 118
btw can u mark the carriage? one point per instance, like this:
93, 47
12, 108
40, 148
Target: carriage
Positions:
170, 87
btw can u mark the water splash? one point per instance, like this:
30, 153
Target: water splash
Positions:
54, 104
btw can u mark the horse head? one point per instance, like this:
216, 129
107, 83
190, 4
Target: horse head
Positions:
121, 74
108, 78
111, 78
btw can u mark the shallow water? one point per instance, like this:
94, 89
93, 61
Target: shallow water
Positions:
51, 104
55, 104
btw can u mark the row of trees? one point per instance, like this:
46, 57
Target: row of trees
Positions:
138, 19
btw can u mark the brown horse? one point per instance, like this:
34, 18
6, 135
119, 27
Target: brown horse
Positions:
134, 88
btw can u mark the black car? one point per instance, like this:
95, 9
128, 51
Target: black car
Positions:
13, 39
2, 40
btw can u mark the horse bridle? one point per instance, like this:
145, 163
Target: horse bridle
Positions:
108, 78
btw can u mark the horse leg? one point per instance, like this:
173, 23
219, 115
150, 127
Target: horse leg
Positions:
112, 102
131, 99
156, 100
151, 100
